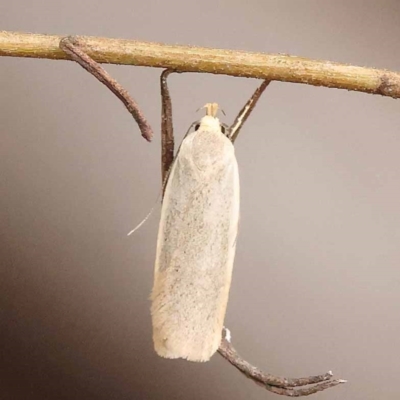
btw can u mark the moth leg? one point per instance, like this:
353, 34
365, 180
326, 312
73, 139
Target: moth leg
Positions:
72, 46
246, 111
167, 128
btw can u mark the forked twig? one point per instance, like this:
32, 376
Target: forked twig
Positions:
292, 387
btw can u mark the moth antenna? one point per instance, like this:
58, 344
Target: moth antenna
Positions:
147, 216
158, 197
161, 191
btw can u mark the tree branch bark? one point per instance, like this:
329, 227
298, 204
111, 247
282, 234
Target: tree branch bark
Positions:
279, 67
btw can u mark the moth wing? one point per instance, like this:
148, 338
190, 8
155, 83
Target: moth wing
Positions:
196, 248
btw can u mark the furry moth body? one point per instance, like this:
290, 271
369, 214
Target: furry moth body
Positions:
196, 244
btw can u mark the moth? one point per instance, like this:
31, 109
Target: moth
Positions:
199, 221
197, 239
196, 244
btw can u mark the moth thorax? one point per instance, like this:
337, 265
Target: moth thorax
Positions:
210, 124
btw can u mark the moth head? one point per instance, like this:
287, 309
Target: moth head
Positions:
210, 122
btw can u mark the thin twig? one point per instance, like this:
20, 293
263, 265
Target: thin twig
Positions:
167, 128
279, 67
245, 112
71, 46
292, 387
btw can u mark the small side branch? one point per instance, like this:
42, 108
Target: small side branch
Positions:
292, 387
279, 67
245, 112
167, 128
71, 46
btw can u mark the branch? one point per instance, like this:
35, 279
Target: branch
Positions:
277, 67
292, 387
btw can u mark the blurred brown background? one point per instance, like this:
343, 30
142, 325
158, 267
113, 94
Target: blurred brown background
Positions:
316, 281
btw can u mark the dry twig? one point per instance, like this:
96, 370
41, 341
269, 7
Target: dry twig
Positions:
279, 67
71, 46
292, 387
